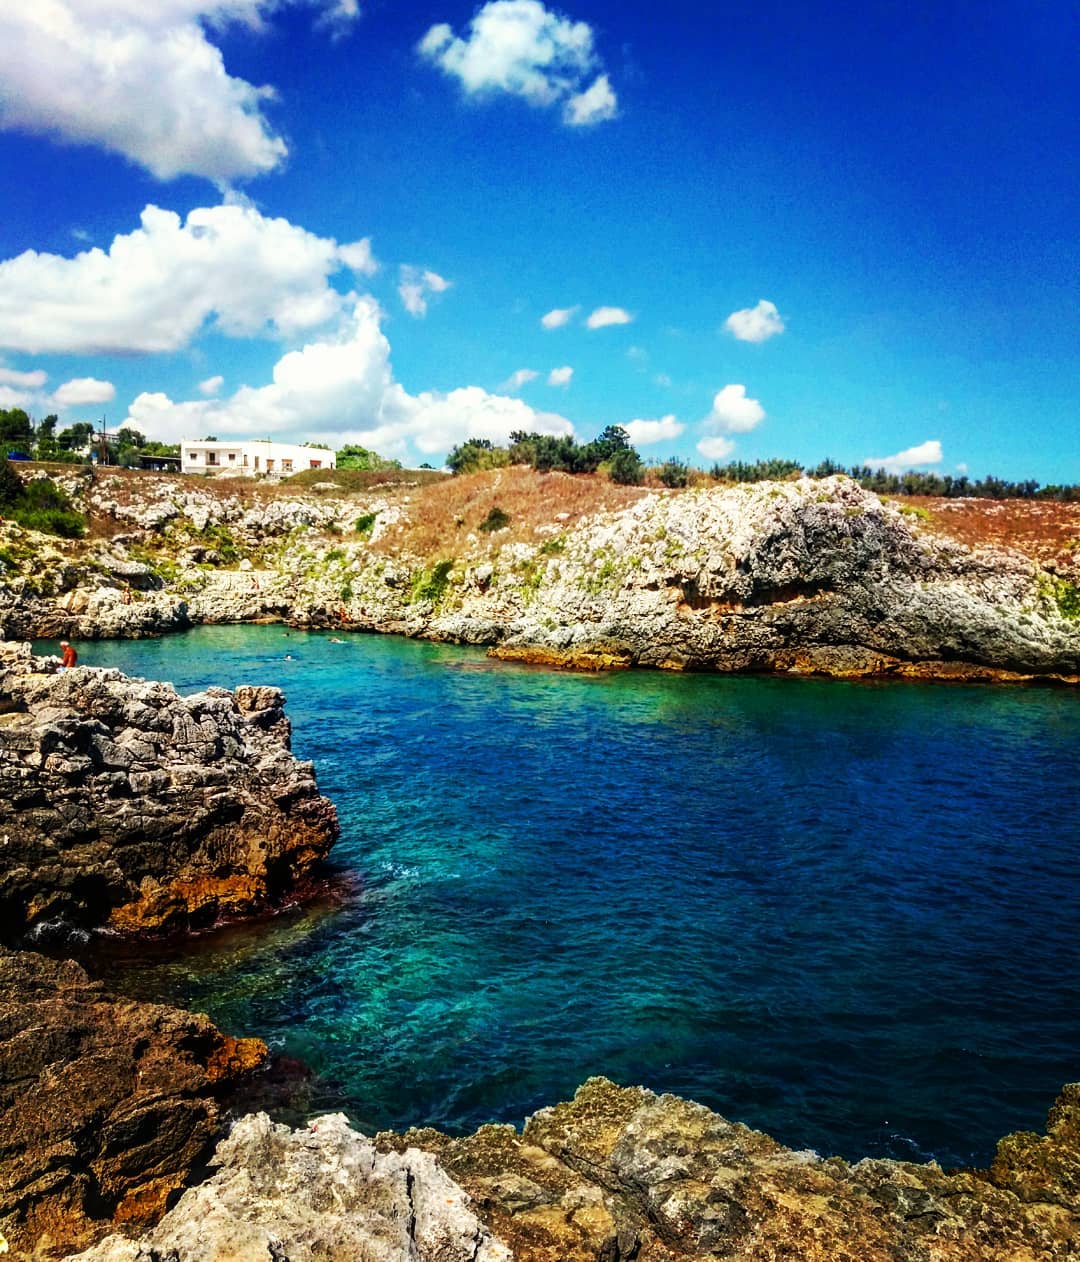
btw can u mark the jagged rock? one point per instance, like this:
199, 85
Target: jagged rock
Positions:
123, 804
622, 1173
323, 1193
615, 1174
106, 1105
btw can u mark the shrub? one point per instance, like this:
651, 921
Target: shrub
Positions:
432, 584
366, 524
674, 473
625, 467
497, 519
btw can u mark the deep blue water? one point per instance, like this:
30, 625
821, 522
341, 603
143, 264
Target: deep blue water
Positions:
847, 914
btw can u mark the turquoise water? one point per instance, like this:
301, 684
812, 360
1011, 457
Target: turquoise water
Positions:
844, 913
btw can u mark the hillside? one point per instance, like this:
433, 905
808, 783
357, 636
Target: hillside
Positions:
801, 575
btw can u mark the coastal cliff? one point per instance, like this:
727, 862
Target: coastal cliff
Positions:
615, 1174
126, 806
803, 576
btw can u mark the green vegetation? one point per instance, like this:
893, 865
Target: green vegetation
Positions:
352, 456
914, 510
432, 584
674, 473
611, 451
1065, 595
365, 524
885, 483
220, 539
497, 519
38, 505
552, 547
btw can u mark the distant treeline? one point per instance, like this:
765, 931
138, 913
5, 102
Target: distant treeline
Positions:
885, 483
610, 452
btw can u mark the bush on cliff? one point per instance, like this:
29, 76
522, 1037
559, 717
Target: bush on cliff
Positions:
38, 505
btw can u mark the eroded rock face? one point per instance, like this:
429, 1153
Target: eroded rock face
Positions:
125, 805
615, 1174
106, 1105
322, 1193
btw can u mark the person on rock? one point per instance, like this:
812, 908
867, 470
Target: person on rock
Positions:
68, 656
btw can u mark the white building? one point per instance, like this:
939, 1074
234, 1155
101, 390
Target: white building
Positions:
246, 458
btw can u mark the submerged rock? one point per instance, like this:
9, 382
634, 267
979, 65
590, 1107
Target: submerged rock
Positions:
106, 1105
124, 805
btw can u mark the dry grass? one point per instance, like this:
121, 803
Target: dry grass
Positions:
1045, 530
442, 516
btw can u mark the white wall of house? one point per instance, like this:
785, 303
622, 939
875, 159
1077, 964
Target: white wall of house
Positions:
248, 458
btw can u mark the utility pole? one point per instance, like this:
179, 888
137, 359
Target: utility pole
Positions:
103, 450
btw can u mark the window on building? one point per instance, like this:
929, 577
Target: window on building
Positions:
286, 466
269, 464
211, 457
316, 464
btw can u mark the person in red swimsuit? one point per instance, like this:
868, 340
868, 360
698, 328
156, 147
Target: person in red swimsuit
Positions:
68, 657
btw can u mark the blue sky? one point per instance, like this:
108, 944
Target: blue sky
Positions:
802, 230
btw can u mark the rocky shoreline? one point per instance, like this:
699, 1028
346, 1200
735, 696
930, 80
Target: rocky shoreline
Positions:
130, 809
805, 577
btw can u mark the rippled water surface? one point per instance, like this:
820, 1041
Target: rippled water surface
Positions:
845, 913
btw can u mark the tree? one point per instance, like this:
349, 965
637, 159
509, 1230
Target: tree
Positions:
16, 430
625, 467
75, 437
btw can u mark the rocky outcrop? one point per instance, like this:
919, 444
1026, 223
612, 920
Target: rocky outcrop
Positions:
321, 1193
126, 806
807, 576
106, 1105
615, 1174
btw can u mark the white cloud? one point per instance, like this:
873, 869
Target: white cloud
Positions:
11, 397
603, 316
340, 389
645, 433
557, 317
716, 448
211, 385
157, 286
143, 80
24, 380
755, 324
962, 467
662, 379
560, 376
733, 413
518, 379
524, 49
597, 104
416, 284
358, 257
82, 390
925, 453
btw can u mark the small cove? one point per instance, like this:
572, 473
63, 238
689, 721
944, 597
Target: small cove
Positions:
847, 914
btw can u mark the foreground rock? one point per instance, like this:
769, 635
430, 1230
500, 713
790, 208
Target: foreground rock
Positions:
124, 805
617, 1173
323, 1193
105, 1105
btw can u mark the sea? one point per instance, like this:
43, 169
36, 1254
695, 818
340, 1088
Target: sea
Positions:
845, 913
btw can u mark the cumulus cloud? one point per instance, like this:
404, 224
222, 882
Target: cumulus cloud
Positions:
159, 285
646, 433
557, 317
524, 49
23, 380
560, 376
716, 447
143, 80
211, 385
755, 324
733, 413
603, 316
925, 453
597, 104
82, 390
416, 284
518, 379
340, 389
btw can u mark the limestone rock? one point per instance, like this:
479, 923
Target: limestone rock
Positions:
323, 1193
123, 804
